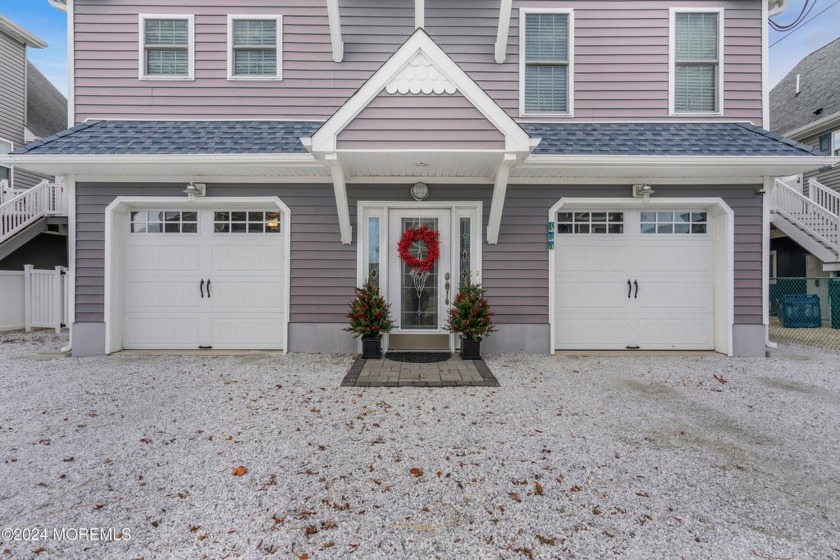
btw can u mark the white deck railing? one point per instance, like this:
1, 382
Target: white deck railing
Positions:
813, 218
33, 298
31, 205
825, 197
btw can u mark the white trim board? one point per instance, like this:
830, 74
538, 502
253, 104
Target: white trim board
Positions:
116, 215
724, 243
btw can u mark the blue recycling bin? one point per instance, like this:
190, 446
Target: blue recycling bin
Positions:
800, 311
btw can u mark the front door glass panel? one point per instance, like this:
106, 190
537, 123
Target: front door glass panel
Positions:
419, 290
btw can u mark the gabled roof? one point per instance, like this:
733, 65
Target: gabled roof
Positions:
176, 137
46, 108
662, 139
819, 91
20, 34
445, 76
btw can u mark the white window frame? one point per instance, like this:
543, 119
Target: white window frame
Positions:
570, 81
190, 47
834, 148
11, 168
230, 74
672, 56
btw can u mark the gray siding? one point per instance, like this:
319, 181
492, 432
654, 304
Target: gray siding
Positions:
12, 89
420, 122
24, 178
515, 272
621, 57
830, 177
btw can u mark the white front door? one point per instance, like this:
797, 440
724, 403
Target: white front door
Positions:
210, 278
630, 279
420, 300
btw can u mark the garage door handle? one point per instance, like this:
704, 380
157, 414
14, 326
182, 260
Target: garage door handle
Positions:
201, 288
629, 288
635, 283
208, 288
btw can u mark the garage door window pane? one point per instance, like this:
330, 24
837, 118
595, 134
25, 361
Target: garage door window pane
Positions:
603, 223
674, 222
246, 222
164, 221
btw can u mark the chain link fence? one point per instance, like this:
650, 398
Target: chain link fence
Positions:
805, 311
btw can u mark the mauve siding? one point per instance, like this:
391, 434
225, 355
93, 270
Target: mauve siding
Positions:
323, 272
621, 57
420, 122
12, 89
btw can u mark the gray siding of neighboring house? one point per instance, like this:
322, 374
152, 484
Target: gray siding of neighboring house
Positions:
323, 272
621, 57
420, 122
13, 76
830, 177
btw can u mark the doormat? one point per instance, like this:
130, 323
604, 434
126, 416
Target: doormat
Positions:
418, 357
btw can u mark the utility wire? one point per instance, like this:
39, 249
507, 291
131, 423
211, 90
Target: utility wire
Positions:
806, 11
789, 33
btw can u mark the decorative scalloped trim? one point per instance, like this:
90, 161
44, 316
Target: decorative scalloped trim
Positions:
420, 76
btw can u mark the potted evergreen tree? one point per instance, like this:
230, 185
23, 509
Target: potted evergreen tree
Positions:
470, 316
370, 318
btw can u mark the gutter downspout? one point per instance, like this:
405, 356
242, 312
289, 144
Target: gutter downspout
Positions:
769, 183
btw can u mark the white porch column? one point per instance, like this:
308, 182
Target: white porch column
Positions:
498, 202
340, 187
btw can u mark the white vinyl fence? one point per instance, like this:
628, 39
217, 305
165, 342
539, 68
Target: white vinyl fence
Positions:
33, 298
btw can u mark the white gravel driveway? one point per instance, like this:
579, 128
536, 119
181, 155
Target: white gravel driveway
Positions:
571, 457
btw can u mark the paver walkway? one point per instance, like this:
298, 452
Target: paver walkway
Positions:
453, 372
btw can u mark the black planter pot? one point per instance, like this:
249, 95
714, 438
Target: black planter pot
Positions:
470, 349
371, 347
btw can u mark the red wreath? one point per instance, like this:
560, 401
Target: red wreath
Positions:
427, 236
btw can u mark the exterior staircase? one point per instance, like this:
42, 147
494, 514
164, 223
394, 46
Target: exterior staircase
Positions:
813, 221
25, 213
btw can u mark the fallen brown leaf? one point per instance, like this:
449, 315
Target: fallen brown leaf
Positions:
538, 488
515, 497
416, 472
240, 471
546, 540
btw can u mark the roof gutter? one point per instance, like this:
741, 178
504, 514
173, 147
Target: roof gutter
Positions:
58, 4
813, 127
535, 160
19, 33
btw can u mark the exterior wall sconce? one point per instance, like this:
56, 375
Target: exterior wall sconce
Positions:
643, 191
420, 191
195, 189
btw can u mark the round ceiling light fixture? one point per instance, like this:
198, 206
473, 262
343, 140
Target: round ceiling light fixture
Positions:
420, 191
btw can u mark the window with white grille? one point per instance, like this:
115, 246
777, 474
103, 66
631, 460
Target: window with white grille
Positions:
546, 61
696, 61
167, 44
590, 223
255, 47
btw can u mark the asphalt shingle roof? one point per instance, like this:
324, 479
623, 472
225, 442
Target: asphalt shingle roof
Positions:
819, 88
277, 137
176, 137
663, 139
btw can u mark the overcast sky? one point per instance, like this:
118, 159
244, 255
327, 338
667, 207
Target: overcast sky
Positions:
38, 17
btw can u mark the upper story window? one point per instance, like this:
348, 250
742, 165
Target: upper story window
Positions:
166, 47
546, 68
696, 61
254, 47
829, 143
6, 147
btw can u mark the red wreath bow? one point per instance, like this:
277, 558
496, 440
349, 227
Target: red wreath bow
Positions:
427, 236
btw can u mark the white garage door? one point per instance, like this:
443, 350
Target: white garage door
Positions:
204, 279
630, 279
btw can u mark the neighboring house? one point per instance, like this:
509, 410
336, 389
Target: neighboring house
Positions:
30, 108
598, 166
805, 106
